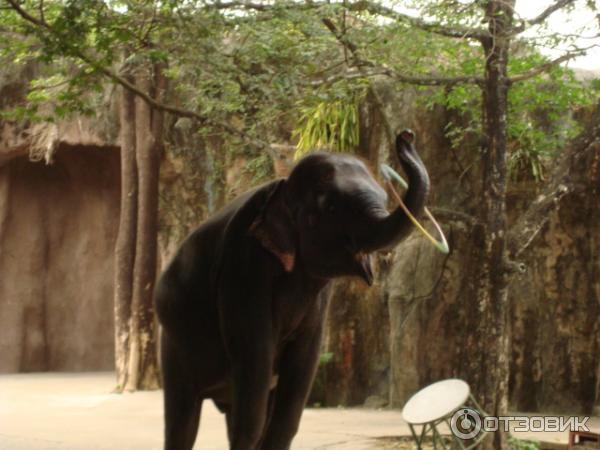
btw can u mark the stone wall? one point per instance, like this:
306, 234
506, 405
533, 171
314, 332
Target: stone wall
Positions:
58, 225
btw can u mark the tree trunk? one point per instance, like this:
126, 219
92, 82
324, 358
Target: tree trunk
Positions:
125, 245
143, 365
136, 361
489, 370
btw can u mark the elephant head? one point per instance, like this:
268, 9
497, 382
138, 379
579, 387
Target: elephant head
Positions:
330, 214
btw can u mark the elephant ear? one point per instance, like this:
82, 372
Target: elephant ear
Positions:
273, 227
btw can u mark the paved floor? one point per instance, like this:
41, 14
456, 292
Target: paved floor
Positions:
78, 412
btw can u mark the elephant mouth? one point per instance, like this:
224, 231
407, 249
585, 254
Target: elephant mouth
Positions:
364, 267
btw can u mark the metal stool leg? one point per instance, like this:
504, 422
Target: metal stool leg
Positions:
417, 440
457, 442
437, 437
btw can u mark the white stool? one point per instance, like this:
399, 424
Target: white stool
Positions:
436, 404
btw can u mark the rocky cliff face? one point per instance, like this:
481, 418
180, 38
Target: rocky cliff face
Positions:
58, 226
413, 326
556, 302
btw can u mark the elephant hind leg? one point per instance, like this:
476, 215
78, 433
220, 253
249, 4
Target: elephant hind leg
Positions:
182, 404
225, 408
181, 424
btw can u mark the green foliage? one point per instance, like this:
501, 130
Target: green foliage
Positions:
65, 84
325, 358
540, 108
328, 126
318, 396
522, 444
260, 167
540, 120
254, 71
268, 71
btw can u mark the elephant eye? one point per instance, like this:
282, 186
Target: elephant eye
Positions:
325, 203
322, 201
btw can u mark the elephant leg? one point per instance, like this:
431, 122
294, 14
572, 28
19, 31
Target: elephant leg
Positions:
296, 373
182, 404
250, 404
250, 344
269, 416
225, 408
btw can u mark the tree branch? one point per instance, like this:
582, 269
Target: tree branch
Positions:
432, 80
349, 75
115, 77
544, 67
558, 4
449, 215
28, 17
379, 69
41, 10
243, 5
385, 71
371, 7
377, 8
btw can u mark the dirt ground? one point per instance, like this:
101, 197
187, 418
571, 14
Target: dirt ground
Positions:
53, 411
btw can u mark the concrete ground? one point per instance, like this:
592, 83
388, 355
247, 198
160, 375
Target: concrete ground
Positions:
53, 411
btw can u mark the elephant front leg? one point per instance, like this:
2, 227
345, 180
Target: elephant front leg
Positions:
251, 351
250, 401
297, 370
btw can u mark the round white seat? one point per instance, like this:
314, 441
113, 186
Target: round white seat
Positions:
436, 401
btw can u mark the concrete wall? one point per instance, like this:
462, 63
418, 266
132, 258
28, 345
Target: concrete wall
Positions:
58, 225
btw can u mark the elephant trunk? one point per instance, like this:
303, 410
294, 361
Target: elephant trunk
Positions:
388, 230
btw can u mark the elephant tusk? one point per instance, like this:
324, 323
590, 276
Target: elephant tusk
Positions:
442, 243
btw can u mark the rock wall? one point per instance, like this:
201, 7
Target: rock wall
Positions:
556, 303
413, 326
58, 226
556, 330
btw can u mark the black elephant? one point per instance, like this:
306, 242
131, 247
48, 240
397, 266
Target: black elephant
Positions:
243, 302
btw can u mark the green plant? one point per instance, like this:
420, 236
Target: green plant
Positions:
539, 116
522, 444
325, 358
318, 395
260, 167
331, 125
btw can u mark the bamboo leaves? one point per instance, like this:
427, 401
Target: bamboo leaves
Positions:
328, 125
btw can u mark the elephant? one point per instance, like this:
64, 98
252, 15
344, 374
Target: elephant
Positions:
242, 304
